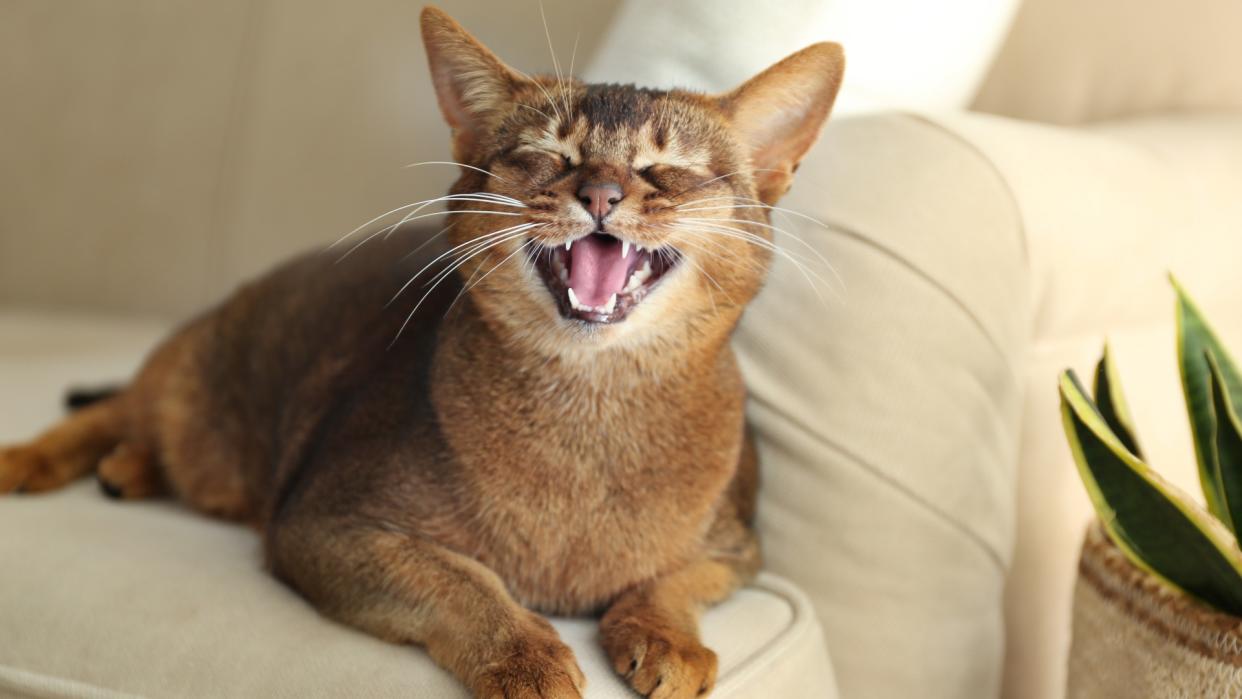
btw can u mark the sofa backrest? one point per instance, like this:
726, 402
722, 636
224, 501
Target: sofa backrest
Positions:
1068, 61
158, 152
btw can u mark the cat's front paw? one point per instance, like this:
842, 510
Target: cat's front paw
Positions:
535, 665
660, 662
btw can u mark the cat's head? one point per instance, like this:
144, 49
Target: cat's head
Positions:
597, 215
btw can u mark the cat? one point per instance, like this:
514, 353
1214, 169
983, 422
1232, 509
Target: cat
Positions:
547, 418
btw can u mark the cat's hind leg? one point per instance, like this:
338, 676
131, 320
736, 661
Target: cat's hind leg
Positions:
69, 450
130, 472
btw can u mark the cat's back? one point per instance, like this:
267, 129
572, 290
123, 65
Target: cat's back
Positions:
262, 371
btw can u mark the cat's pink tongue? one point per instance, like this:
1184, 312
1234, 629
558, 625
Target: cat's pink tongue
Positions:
596, 269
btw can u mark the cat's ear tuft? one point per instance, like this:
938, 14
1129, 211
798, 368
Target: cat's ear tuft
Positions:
471, 83
778, 113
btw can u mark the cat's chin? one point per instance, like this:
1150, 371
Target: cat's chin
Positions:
612, 277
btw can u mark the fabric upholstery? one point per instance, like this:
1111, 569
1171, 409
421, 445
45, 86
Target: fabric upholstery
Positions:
111, 600
1107, 213
1070, 62
887, 413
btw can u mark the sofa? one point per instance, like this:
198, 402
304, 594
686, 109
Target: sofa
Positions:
920, 512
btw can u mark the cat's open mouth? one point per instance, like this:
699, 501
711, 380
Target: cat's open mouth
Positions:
599, 278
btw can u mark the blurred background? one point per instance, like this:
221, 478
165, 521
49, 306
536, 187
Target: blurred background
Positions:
156, 151
1005, 182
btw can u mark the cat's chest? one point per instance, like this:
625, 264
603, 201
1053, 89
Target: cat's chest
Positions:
584, 496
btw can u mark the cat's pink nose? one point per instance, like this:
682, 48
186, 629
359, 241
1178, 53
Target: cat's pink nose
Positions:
599, 198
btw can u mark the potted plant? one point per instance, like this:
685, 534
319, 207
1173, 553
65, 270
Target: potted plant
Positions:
1158, 603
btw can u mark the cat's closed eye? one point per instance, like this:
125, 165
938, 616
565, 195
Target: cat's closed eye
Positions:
541, 166
671, 178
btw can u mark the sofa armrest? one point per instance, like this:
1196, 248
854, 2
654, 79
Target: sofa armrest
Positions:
887, 415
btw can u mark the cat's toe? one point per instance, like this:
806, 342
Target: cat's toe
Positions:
536, 666
658, 661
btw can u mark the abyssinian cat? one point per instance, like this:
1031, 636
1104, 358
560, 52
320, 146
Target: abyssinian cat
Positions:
558, 424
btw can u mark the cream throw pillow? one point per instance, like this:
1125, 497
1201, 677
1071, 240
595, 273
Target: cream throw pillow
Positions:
900, 53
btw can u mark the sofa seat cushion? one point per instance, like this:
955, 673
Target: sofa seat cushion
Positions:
107, 599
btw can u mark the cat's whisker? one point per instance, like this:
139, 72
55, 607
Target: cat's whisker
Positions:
706, 274
379, 232
551, 101
717, 179
776, 229
479, 246
454, 162
536, 110
456, 265
427, 242
704, 184
477, 198
719, 250
556, 65
472, 242
482, 197
520, 248
769, 207
765, 244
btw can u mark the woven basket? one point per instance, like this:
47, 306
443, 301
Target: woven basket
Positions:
1136, 637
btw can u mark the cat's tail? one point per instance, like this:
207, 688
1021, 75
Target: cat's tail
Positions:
77, 398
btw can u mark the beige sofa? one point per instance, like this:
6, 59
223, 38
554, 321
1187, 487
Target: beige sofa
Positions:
920, 512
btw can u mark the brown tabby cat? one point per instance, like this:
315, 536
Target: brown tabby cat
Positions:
558, 425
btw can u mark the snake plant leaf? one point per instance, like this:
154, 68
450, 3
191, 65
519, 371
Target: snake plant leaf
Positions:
1112, 402
1194, 338
1228, 444
1159, 528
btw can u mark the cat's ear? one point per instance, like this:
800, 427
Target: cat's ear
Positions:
471, 83
778, 113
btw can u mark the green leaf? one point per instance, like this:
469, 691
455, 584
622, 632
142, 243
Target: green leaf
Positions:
1194, 338
1112, 403
1159, 528
1227, 443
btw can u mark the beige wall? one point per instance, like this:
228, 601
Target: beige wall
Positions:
156, 151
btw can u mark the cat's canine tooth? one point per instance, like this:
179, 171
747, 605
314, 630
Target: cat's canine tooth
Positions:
646, 268
568, 244
573, 300
611, 305
625, 248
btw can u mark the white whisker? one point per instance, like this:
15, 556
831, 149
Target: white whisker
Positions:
765, 244
490, 199
427, 242
454, 267
454, 162
770, 227
379, 232
472, 242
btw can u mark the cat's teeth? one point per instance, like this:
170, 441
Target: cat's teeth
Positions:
625, 248
573, 300
637, 277
611, 305
568, 244
632, 284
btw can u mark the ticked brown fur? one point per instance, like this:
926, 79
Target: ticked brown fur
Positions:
496, 459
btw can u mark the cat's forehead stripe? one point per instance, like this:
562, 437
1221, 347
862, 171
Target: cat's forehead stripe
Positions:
616, 124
